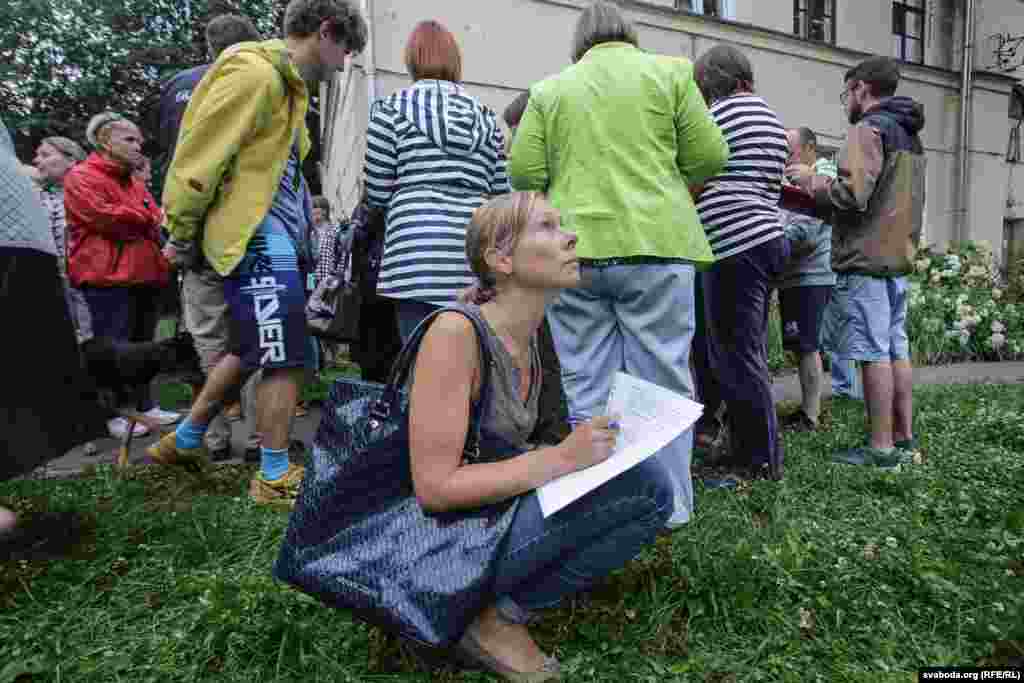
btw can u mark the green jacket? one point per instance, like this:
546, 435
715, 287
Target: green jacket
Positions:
234, 144
616, 140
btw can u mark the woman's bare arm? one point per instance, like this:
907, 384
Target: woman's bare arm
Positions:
447, 377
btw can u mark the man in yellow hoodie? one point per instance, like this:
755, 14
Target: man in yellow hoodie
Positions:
235, 196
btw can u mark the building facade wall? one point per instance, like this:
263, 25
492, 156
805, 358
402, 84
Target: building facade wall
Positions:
509, 44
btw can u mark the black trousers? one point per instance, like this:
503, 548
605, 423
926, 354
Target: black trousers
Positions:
735, 299
48, 404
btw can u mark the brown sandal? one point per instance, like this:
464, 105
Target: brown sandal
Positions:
471, 651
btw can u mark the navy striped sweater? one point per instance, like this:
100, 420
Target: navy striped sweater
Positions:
433, 155
739, 207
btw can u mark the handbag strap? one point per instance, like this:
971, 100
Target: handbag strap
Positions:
342, 255
383, 407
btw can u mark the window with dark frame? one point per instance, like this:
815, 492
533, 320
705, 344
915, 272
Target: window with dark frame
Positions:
815, 20
908, 30
709, 8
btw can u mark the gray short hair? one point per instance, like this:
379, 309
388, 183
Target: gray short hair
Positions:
723, 71
807, 136
99, 122
65, 146
602, 22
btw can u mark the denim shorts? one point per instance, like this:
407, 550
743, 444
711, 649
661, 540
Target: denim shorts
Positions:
866, 320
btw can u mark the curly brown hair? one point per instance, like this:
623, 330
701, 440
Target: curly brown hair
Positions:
303, 18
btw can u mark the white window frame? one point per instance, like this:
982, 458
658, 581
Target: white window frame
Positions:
728, 8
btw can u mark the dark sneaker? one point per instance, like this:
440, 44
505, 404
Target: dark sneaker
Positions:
297, 452
865, 455
910, 452
221, 454
714, 483
798, 422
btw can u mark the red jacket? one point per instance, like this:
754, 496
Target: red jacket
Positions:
113, 227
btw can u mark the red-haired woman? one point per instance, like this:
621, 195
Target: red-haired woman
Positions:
434, 154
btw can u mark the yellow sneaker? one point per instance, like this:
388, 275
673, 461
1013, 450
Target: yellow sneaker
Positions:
281, 491
166, 452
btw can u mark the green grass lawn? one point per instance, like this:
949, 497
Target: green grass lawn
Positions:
836, 574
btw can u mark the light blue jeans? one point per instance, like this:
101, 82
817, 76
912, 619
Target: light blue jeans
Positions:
637, 319
845, 378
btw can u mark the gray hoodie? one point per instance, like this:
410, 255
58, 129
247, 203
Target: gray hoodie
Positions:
811, 244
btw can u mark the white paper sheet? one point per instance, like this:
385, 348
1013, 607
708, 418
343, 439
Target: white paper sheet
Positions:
650, 417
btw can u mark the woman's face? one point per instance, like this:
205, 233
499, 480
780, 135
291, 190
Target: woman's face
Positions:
545, 256
51, 163
319, 217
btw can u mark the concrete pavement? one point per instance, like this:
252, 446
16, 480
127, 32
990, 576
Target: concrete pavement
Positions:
785, 388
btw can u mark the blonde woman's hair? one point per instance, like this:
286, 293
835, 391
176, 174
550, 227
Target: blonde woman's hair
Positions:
497, 224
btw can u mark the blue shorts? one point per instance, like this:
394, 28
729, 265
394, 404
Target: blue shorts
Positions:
266, 300
866, 320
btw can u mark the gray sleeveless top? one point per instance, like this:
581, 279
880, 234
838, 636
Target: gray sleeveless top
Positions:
509, 416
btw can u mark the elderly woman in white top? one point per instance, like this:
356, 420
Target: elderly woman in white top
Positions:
55, 156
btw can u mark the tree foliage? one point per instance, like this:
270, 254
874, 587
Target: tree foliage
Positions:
61, 61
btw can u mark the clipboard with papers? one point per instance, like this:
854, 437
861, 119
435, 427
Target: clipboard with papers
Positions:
649, 417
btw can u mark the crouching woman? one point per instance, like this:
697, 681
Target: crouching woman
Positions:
522, 259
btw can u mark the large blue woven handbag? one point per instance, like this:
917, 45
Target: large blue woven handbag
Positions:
359, 540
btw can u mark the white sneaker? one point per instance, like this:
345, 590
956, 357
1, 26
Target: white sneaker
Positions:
164, 417
118, 428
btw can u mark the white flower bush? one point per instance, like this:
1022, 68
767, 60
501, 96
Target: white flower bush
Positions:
961, 310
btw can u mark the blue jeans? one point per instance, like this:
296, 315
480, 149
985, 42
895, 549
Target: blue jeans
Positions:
546, 560
735, 302
845, 378
636, 319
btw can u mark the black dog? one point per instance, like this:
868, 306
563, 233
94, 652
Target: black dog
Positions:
115, 365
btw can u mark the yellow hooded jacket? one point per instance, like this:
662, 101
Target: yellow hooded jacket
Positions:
236, 136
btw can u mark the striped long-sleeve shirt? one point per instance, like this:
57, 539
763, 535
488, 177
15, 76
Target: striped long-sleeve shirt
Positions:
739, 207
433, 155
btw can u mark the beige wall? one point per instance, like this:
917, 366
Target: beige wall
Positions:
773, 14
509, 44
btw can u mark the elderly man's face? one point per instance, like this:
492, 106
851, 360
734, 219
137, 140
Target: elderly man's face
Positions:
144, 172
124, 143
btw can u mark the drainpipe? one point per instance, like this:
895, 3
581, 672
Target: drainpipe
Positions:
369, 64
966, 86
